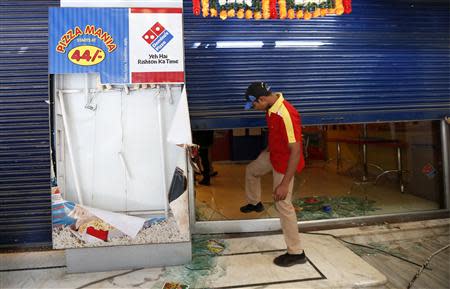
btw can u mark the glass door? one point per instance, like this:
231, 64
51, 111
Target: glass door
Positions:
352, 172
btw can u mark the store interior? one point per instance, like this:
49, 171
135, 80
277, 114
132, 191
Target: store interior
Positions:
351, 170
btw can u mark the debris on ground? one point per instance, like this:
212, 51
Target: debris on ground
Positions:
322, 207
205, 250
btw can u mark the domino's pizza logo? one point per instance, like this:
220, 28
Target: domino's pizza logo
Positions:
157, 36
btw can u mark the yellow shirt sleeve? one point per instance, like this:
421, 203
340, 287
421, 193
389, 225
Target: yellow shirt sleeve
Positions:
288, 125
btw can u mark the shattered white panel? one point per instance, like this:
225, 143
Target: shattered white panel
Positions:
160, 232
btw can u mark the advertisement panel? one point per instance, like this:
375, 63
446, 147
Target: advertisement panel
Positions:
157, 46
123, 45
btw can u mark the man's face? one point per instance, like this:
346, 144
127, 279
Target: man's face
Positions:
261, 104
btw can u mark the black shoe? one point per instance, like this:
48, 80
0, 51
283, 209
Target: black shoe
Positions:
205, 182
213, 173
288, 260
250, 208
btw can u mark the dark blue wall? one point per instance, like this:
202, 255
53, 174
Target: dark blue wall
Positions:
387, 61
24, 124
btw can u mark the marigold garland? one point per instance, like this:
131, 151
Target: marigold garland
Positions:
267, 9
347, 6
307, 15
339, 7
315, 10
205, 8
248, 14
231, 8
231, 13
240, 9
323, 8
196, 7
298, 5
213, 8
257, 9
223, 14
273, 9
223, 9
283, 9
290, 4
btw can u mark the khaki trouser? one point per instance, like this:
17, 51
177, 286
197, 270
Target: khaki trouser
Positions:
288, 217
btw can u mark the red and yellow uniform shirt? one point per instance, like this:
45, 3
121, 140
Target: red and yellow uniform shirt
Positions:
284, 125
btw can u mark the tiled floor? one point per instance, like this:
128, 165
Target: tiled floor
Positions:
221, 200
246, 262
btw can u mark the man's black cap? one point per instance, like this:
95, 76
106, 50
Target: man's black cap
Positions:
257, 89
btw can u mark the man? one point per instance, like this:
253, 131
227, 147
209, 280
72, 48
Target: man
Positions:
205, 138
283, 157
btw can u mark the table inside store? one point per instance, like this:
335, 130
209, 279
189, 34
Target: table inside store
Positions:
364, 143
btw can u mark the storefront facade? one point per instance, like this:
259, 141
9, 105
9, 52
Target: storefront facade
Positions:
377, 69
386, 62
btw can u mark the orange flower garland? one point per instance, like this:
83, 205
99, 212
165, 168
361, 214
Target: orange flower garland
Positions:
347, 6
298, 6
307, 15
282, 8
240, 13
231, 9
316, 11
213, 8
290, 4
339, 7
223, 9
223, 14
267, 9
257, 9
205, 8
196, 7
273, 9
323, 8
240, 9
248, 9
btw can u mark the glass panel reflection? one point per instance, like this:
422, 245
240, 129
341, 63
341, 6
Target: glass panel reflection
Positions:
352, 170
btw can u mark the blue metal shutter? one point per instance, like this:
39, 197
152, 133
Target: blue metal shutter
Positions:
387, 61
24, 124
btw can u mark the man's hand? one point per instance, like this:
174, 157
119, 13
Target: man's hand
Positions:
280, 192
282, 189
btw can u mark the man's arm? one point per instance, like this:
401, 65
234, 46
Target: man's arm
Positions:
282, 189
